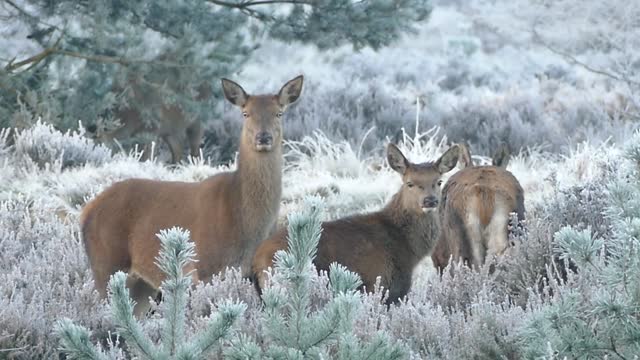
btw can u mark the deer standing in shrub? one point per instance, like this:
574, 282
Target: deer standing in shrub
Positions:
172, 123
388, 243
475, 211
227, 214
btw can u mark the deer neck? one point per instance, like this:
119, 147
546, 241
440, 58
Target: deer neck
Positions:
420, 229
259, 176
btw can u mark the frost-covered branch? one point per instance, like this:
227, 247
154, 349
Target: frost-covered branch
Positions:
293, 328
175, 254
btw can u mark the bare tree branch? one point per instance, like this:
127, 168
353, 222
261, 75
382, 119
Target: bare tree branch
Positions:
119, 60
573, 60
34, 19
55, 50
20, 10
247, 4
99, 58
33, 60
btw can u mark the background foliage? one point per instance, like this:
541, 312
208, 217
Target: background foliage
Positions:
483, 71
95, 60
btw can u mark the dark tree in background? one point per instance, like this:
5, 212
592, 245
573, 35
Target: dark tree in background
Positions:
96, 60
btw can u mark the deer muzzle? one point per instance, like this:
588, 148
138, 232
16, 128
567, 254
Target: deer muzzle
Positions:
264, 141
429, 203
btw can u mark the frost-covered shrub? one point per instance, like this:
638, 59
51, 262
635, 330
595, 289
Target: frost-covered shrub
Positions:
529, 265
43, 275
484, 331
469, 85
43, 145
5, 142
466, 316
523, 120
581, 206
296, 328
595, 313
365, 112
176, 253
349, 111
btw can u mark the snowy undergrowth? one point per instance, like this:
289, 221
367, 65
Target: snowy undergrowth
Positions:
314, 165
480, 76
44, 272
348, 181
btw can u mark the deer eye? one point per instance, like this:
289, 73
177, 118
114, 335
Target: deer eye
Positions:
410, 184
439, 182
279, 114
245, 114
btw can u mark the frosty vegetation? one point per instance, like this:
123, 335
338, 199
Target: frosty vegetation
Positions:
568, 282
483, 72
176, 253
110, 61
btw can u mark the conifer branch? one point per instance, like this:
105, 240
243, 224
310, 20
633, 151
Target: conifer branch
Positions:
175, 254
53, 50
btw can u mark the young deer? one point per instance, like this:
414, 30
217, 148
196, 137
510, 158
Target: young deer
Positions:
228, 214
388, 243
474, 211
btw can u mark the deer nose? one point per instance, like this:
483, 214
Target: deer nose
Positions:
430, 202
264, 138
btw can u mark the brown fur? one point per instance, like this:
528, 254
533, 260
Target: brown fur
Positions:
173, 126
388, 243
228, 214
501, 157
172, 123
465, 159
474, 213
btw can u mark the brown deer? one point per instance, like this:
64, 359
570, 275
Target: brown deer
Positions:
388, 243
172, 127
172, 123
227, 214
474, 212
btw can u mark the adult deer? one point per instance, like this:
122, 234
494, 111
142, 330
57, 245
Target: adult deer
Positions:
172, 123
475, 211
388, 243
228, 214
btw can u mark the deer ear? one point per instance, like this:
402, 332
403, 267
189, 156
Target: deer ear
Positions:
448, 160
501, 157
290, 92
396, 159
464, 156
234, 92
